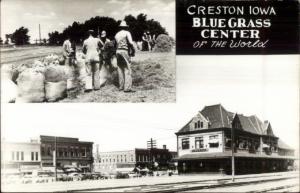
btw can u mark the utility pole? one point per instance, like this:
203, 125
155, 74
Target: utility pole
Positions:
54, 157
232, 154
151, 145
40, 33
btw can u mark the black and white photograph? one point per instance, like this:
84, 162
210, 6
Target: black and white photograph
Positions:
150, 96
88, 51
173, 147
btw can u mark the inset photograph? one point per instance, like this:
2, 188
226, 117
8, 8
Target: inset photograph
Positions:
92, 51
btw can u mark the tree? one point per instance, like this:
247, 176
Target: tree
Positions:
78, 31
140, 24
55, 38
20, 37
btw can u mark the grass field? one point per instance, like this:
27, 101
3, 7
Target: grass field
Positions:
153, 76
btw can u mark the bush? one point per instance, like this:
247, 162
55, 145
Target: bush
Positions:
163, 43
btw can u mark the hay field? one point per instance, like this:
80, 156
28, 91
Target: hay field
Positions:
153, 76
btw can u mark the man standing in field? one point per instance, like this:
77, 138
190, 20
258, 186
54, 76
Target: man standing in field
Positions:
104, 65
69, 49
91, 49
125, 50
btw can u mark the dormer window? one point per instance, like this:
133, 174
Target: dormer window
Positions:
198, 124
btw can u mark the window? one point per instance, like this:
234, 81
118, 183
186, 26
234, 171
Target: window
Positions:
18, 156
199, 144
214, 145
36, 156
213, 137
43, 150
213, 141
32, 156
83, 152
22, 156
198, 124
185, 143
49, 151
12, 155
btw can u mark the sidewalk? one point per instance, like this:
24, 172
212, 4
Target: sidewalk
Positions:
128, 183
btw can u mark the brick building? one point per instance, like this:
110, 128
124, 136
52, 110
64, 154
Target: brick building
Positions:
70, 152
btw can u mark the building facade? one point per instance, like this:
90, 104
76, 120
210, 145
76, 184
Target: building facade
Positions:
66, 152
204, 144
19, 157
126, 161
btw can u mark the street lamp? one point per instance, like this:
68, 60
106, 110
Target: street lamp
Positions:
232, 154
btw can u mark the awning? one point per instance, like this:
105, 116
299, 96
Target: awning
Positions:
124, 169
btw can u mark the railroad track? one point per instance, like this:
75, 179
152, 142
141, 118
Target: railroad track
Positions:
207, 185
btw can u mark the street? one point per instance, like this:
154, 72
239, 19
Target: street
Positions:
288, 181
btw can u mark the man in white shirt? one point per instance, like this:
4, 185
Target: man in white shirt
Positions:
91, 49
69, 56
125, 50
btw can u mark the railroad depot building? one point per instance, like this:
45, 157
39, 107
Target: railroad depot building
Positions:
20, 157
204, 144
70, 153
128, 161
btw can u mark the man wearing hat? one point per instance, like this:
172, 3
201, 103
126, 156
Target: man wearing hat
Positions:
104, 65
91, 49
69, 52
125, 50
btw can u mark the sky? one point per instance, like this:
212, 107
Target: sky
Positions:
58, 14
267, 86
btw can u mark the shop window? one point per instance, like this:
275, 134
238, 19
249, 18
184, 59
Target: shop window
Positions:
36, 156
185, 143
199, 143
12, 155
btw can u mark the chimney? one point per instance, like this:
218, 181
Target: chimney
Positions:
164, 146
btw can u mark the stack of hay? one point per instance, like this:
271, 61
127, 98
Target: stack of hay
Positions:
163, 43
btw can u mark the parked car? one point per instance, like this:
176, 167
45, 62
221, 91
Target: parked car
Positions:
75, 176
134, 175
64, 177
122, 175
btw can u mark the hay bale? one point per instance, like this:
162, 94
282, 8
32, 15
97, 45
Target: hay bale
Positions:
8, 90
163, 43
31, 86
55, 73
55, 90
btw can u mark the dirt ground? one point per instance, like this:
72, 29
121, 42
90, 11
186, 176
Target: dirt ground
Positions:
153, 76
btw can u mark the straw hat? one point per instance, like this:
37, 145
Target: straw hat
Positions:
123, 24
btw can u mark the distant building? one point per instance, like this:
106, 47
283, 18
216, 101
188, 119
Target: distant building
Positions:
204, 144
125, 161
18, 157
70, 152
